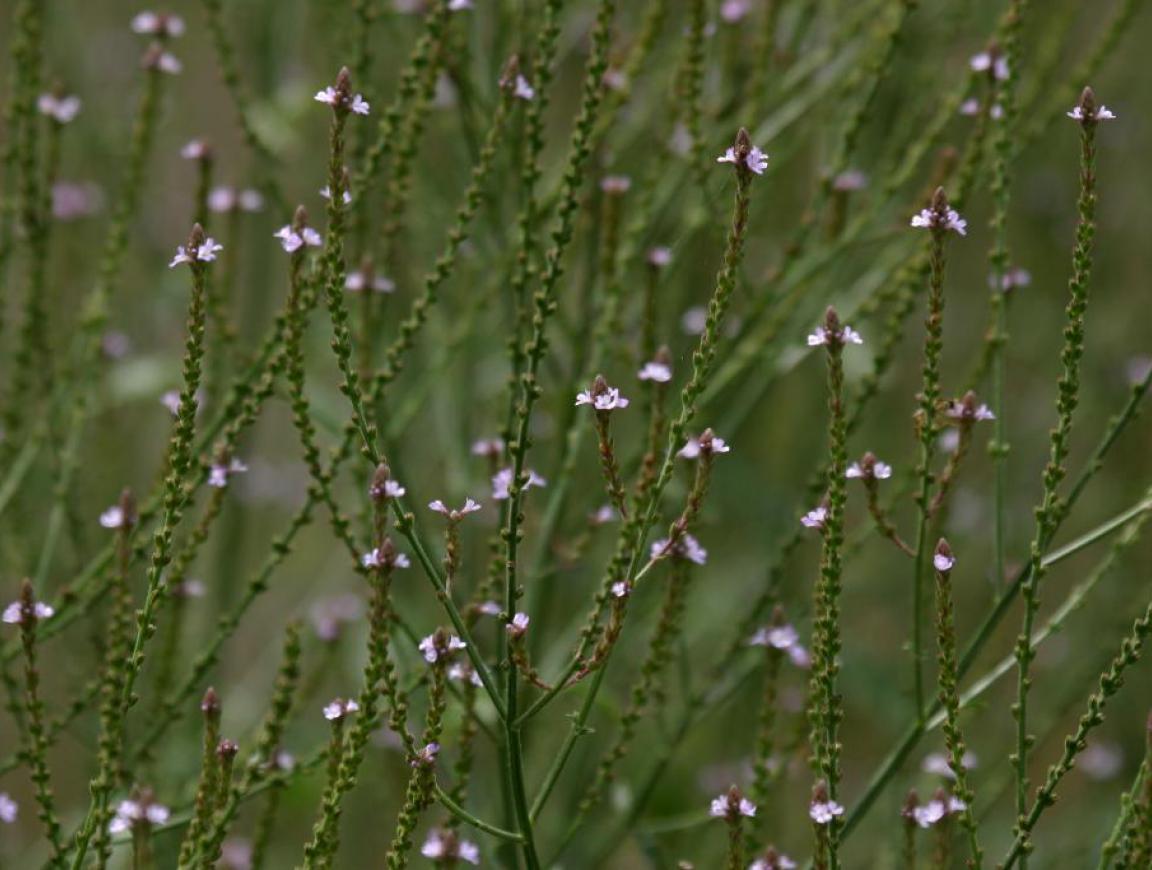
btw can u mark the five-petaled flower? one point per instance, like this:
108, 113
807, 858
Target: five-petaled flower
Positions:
455, 514
338, 708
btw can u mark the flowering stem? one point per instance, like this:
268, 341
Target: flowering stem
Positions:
950, 698
927, 430
1051, 508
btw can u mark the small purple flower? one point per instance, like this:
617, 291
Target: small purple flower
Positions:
518, 625
845, 335
502, 480
365, 279
1103, 113
932, 219
14, 613
203, 253
9, 809
706, 445
437, 646
621, 589
158, 24
490, 447
447, 847
338, 708
326, 193
731, 805
292, 241
659, 257
780, 637
426, 757
822, 812
355, 104
686, 547
132, 813
455, 515
62, 110
602, 397
868, 468
219, 473
756, 160
990, 61
815, 518
113, 517
523, 89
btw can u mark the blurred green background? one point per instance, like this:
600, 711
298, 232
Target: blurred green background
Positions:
771, 411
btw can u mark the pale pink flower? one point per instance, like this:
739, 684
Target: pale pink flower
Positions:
823, 812
113, 518
62, 110
292, 241
1103, 113
219, 473
338, 708
158, 24
355, 104
659, 257
929, 218
756, 160
815, 518
731, 805
607, 400
503, 480
14, 612
518, 625
455, 515
203, 253
847, 335
524, 89
687, 547
9, 809
986, 60
707, 444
